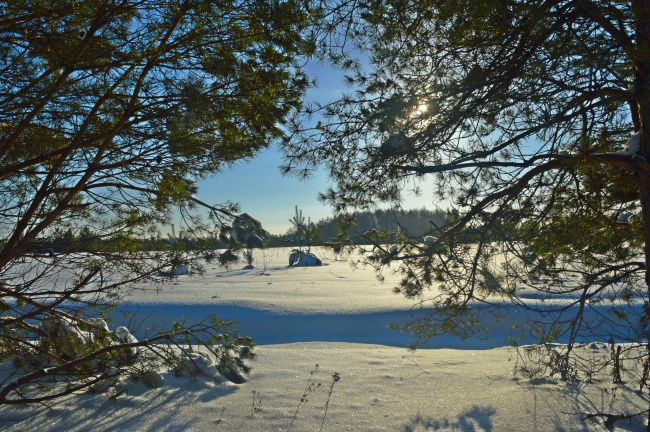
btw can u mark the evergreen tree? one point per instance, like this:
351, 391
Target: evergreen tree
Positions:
303, 234
109, 112
532, 121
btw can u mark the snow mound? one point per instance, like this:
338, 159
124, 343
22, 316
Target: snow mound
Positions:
100, 324
124, 335
179, 270
197, 363
63, 337
429, 241
302, 259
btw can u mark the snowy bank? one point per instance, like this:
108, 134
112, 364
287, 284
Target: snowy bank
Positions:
380, 389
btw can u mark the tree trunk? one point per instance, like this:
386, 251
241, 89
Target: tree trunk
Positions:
641, 9
644, 192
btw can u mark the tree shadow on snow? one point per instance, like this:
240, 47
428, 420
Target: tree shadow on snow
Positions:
563, 406
476, 419
160, 409
579, 399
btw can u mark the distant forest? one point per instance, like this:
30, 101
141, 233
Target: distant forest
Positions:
417, 222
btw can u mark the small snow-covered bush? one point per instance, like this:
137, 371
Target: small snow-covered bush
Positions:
71, 353
70, 340
149, 377
99, 324
124, 335
231, 365
196, 363
227, 257
177, 270
63, 338
248, 256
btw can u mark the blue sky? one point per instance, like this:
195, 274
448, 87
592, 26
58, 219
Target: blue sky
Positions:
264, 193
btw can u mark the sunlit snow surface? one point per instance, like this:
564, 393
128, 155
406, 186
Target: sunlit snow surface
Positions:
311, 323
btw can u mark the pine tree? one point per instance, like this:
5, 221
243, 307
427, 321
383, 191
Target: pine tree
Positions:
531, 120
304, 234
109, 113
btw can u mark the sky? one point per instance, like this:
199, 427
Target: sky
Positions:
264, 193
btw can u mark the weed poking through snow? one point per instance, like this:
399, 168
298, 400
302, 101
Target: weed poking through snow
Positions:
335, 378
257, 403
311, 385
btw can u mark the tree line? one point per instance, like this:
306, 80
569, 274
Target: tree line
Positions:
415, 222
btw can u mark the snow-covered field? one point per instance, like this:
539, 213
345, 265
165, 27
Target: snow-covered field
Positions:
326, 361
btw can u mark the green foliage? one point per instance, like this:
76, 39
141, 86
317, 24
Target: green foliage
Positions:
519, 114
348, 229
149, 378
73, 353
344, 225
110, 112
304, 234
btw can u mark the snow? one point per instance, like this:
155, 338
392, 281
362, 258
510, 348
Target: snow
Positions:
304, 259
179, 270
199, 363
632, 147
429, 241
99, 323
125, 336
60, 330
312, 323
